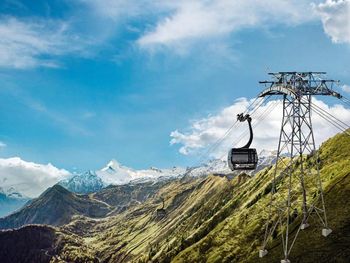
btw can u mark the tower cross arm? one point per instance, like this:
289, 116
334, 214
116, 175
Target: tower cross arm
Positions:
278, 89
298, 89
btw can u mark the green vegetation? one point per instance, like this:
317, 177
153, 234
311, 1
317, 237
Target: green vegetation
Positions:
211, 219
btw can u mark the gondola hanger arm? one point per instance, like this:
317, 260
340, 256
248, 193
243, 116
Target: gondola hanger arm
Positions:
243, 118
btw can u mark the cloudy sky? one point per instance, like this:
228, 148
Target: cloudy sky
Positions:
154, 83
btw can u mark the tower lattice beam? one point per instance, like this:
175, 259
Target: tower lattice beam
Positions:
296, 193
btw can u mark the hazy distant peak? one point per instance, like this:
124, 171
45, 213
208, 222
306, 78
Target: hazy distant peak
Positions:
267, 153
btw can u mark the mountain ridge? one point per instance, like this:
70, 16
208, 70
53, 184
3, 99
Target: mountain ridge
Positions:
56, 206
206, 219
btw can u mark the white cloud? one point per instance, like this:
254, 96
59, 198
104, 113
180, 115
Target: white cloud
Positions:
335, 16
32, 43
180, 24
203, 133
197, 19
29, 178
346, 88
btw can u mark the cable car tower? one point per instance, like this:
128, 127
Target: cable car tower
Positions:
296, 188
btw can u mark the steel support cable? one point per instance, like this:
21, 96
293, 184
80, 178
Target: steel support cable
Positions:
266, 112
325, 118
242, 135
329, 120
346, 101
259, 119
345, 98
254, 125
340, 122
221, 139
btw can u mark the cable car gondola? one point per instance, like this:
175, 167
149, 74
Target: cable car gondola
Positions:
243, 158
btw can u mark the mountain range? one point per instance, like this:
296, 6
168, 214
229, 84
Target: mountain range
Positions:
116, 174
204, 218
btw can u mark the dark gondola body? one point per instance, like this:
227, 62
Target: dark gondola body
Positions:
243, 158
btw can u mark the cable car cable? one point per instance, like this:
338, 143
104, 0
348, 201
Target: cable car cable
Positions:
328, 113
217, 143
325, 117
340, 123
220, 140
246, 158
258, 120
331, 116
346, 101
244, 133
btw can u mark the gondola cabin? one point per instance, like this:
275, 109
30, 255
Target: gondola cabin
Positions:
243, 158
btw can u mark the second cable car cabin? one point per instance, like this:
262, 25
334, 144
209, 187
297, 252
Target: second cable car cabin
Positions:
243, 158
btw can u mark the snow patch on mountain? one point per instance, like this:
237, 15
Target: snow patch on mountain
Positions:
215, 166
83, 183
115, 173
266, 158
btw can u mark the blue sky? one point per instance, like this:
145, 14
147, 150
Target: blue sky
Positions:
82, 82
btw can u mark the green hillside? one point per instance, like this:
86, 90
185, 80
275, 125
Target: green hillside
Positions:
56, 206
237, 239
210, 219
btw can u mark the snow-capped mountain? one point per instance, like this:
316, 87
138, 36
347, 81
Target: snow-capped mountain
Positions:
83, 183
220, 167
115, 173
215, 166
266, 158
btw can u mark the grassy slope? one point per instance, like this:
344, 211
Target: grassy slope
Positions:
212, 219
56, 206
216, 220
237, 239
137, 233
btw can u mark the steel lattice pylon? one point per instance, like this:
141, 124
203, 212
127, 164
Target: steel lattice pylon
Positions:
296, 190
